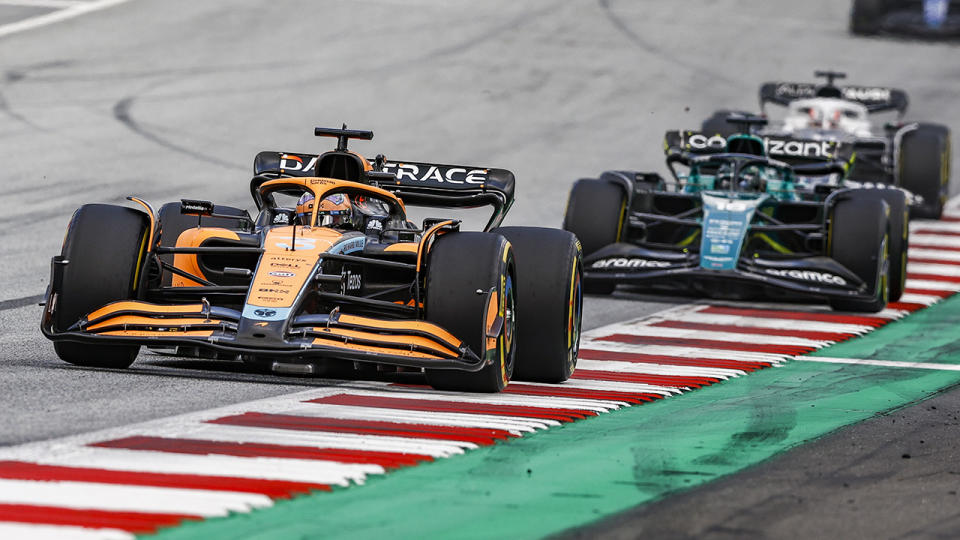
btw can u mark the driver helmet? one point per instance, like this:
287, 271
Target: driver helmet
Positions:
335, 211
305, 208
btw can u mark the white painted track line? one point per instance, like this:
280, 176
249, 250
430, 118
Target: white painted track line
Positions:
683, 352
934, 254
319, 439
490, 421
15, 531
776, 324
113, 497
642, 329
294, 470
932, 239
883, 363
931, 285
69, 12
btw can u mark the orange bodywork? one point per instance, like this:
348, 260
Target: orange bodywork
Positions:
402, 247
143, 307
188, 261
423, 326
141, 320
343, 335
374, 349
282, 271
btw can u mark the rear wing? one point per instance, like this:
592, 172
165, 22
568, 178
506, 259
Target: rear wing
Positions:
790, 150
874, 98
415, 183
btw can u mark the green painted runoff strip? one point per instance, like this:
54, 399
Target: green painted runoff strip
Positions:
577, 473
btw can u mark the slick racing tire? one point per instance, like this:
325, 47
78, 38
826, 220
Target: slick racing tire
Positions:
924, 167
172, 223
858, 239
899, 235
595, 213
718, 124
549, 284
865, 16
105, 248
471, 282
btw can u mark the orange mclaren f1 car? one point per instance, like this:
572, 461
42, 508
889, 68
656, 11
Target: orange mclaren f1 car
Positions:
330, 272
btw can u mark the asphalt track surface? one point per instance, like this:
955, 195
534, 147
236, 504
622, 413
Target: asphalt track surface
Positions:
173, 99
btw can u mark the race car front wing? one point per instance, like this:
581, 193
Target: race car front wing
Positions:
814, 276
401, 342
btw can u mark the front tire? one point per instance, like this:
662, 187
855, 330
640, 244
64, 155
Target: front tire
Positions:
549, 277
460, 265
105, 246
595, 213
859, 241
924, 167
899, 236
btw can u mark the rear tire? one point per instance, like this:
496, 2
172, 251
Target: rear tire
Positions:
859, 241
865, 16
925, 167
460, 264
549, 283
595, 213
718, 124
105, 246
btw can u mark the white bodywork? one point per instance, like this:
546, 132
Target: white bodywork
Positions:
827, 114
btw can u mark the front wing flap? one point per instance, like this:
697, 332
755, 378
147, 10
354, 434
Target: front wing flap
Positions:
402, 342
816, 276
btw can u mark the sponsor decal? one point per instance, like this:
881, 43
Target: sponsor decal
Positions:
436, 174
353, 282
731, 205
301, 243
265, 314
807, 275
374, 225
349, 246
281, 219
292, 163
282, 274
774, 147
284, 265
273, 290
864, 94
777, 147
794, 90
701, 142
271, 298
632, 262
